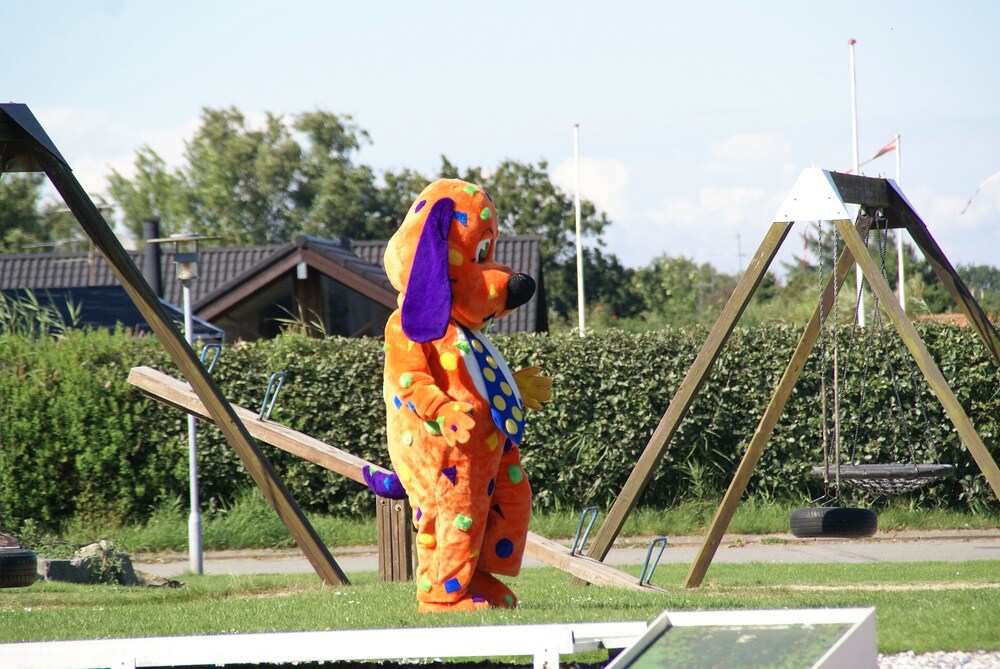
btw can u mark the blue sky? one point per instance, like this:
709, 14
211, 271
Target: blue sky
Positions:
695, 117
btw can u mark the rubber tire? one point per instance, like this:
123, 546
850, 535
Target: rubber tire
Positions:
18, 567
834, 522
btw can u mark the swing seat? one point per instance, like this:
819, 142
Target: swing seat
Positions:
886, 479
833, 522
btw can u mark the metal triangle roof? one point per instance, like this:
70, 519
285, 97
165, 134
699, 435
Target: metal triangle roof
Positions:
814, 197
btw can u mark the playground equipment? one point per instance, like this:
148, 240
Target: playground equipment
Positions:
817, 195
395, 539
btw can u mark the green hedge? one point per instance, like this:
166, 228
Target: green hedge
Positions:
76, 440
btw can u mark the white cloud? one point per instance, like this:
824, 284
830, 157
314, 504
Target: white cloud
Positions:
602, 181
746, 155
73, 131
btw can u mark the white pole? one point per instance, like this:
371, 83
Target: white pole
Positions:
194, 520
579, 237
858, 275
899, 239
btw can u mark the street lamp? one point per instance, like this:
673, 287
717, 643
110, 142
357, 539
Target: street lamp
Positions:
186, 258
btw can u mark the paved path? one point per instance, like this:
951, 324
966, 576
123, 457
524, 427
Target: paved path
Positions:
778, 549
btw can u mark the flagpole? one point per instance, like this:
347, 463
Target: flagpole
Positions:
899, 238
858, 275
579, 238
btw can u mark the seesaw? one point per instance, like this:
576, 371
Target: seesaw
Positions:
393, 548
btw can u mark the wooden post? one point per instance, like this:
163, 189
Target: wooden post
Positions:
724, 514
684, 397
395, 539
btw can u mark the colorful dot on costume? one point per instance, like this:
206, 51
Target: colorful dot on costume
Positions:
462, 522
449, 361
420, 205
425, 584
517, 414
403, 472
411, 407
407, 437
462, 218
418, 513
505, 387
406, 380
476, 345
398, 403
490, 375
504, 548
491, 362
452, 585
515, 474
426, 540
491, 441
490, 486
511, 426
450, 473
464, 347
510, 600
485, 214
470, 189
455, 257
499, 403
433, 427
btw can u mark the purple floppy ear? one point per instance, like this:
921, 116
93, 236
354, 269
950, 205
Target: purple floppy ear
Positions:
427, 304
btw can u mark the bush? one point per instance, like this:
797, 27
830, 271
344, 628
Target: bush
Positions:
77, 441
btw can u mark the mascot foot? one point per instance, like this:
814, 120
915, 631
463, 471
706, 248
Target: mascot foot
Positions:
490, 588
467, 603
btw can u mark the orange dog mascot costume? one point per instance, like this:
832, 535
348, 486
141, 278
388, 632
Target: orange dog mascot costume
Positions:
455, 411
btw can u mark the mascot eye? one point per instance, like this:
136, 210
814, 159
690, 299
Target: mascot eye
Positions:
483, 250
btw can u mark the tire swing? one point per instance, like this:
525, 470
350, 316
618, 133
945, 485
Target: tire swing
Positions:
831, 520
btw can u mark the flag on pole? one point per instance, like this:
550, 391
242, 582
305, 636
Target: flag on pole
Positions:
891, 146
978, 188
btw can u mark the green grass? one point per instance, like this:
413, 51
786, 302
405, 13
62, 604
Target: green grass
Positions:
251, 523
919, 606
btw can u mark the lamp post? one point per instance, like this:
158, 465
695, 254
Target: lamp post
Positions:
186, 258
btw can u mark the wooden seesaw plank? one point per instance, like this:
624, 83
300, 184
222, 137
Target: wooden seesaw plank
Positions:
178, 394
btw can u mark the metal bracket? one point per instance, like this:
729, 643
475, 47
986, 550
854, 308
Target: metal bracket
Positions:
216, 350
265, 407
644, 577
578, 541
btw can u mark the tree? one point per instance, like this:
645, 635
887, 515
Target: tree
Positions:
257, 186
679, 291
21, 222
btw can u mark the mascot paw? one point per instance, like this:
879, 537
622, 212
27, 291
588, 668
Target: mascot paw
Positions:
383, 484
534, 387
456, 423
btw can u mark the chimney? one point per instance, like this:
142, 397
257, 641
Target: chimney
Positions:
151, 256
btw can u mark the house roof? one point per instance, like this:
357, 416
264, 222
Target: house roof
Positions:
229, 274
107, 307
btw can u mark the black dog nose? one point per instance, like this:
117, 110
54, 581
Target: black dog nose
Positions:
520, 288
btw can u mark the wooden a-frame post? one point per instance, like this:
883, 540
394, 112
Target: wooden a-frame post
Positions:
817, 195
26, 147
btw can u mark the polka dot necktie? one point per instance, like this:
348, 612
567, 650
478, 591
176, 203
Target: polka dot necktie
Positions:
505, 406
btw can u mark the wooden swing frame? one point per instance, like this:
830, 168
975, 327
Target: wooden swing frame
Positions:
817, 195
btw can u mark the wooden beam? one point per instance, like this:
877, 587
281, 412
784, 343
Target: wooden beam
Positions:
178, 394
152, 310
174, 392
724, 514
946, 274
953, 408
582, 567
686, 392
865, 191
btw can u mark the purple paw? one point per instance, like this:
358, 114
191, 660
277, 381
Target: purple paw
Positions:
384, 484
